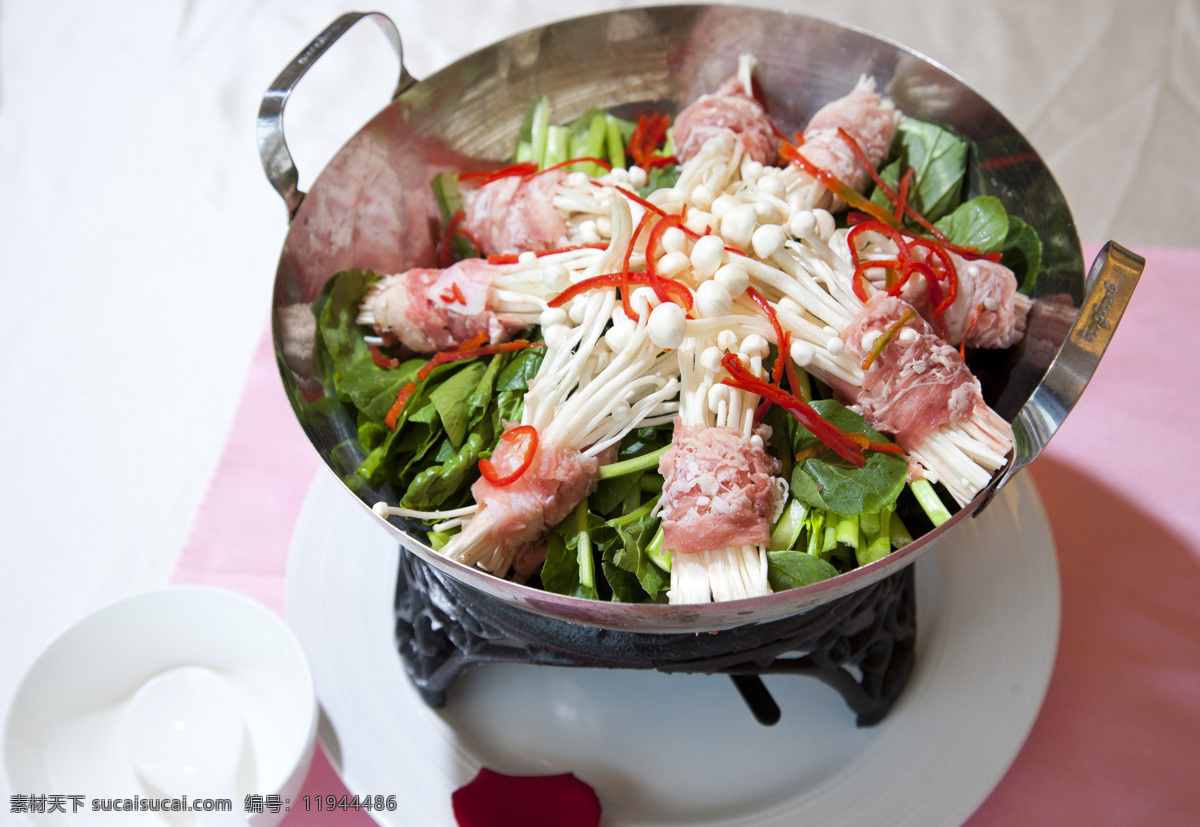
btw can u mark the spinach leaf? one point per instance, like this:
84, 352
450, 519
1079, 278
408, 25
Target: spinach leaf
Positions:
513, 381
828, 482
610, 493
1022, 253
981, 222
792, 569
938, 158
659, 178
518, 373
634, 532
451, 400
357, 379
624, 584
561, 572
435, 485
481, 397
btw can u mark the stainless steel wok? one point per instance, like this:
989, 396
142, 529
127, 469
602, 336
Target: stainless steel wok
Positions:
372, 207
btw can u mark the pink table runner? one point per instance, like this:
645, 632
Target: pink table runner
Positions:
1117, 738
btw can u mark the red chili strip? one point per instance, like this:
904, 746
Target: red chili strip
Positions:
656, 234
824, 430
626, 293
513, 258
835, 185
858, 153
488, 176
475, 346
478, 340
444, 251
902, 195
637, 199
401, 398
962, 346
488, 470
648, 133
581, 159
898, 204
382, 361
471, 353
782, 339
458, 293
660, 161
675, 291
865, 442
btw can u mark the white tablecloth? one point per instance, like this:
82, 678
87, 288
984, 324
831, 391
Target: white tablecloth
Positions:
138, 236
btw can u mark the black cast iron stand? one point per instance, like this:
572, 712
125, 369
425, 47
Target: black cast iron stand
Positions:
862, 645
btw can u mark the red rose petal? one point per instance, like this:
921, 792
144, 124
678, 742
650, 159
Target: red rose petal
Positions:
493, 799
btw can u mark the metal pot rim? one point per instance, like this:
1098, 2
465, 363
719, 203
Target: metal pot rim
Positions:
1051, 393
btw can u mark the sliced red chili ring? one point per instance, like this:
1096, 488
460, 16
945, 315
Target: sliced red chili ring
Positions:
488, 470
656, 234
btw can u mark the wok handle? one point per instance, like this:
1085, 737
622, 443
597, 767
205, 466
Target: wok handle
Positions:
272, 148
1111, 280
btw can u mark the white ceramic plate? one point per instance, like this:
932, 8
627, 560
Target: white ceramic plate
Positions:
684, 749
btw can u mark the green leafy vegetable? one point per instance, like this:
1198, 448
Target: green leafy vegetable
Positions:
1022, 253
634, 532
793, 569
666, 175
790, 526
570, 566
437, 484
981, 222
938, 158
828, 482
450, 398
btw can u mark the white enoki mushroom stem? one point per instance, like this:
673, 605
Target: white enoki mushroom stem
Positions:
471, 545
714, 167
586, 396
963, 455
729, 573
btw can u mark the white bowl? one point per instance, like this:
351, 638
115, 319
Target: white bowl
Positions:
63, 733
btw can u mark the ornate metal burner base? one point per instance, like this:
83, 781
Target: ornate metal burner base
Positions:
861, 645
